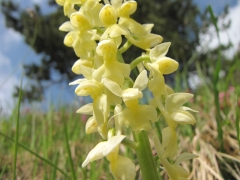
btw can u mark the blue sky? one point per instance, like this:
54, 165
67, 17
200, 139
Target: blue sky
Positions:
14, 53
217, 5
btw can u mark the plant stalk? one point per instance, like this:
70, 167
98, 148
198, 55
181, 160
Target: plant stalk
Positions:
145, 157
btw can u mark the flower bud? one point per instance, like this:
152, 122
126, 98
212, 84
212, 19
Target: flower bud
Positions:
183, 117
167, 65
91, 126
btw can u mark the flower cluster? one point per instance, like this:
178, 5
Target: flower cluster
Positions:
100, 33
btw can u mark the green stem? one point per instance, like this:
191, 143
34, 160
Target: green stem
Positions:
145, 157
159, 132
215, 82
129, 143
17, 132
119, 57
238, 118
69, 151
125, 47
138, 60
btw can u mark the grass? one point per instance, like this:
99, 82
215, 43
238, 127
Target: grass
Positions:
53, 145
50, 145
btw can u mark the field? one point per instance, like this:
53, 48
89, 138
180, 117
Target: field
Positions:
53, 144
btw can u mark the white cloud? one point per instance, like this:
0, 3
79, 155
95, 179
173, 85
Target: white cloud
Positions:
4, 61
232, 34
37, 1
10, 38
7, 82
8, 79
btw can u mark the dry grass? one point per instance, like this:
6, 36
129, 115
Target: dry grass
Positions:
213, 164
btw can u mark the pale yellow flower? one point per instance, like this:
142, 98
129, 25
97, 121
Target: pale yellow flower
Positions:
169, 142
80, 21
178, 112
139, 34
103, 149
91, 9
108, 15
122, 168
108, 49
156, 83
114, 31
83, 45
86, 109
68, 5
95, 33
164, 64
91, 125
135, 115
78, 36
127, 8
77, 66
104, 93
101, 107
159, 51
111, 68
138, 116
70, 38
174, 170
72, 35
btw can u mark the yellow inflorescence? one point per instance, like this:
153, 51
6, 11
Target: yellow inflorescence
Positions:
96, 32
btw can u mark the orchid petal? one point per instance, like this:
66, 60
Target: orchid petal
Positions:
141, 81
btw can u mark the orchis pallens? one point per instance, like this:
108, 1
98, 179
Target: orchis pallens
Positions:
97, 31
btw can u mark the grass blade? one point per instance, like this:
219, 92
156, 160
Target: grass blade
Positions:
214, 20
3, 171
38, 156
237, 118
17, 133
54, 174
68, 150
215, 82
